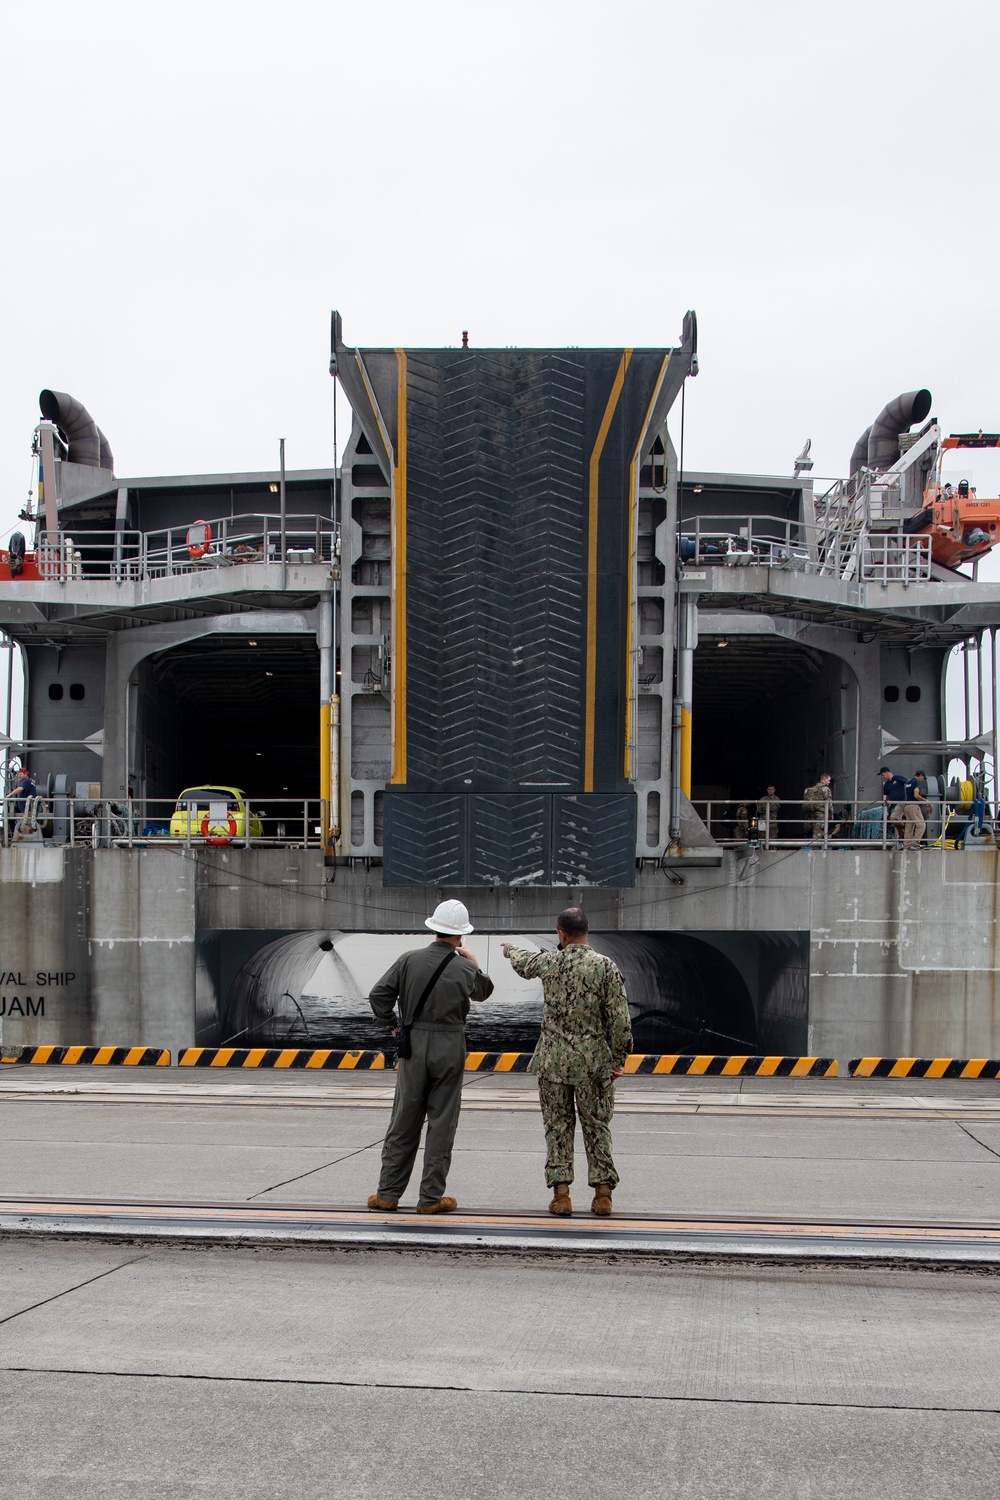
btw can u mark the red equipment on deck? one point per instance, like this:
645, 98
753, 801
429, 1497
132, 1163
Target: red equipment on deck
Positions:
961, 526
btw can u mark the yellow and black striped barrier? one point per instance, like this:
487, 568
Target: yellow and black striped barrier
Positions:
276, 1057
706, 1065
127, 1057
711, 1065
497, 1062
924, 1067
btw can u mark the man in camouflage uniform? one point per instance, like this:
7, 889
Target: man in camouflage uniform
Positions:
816, 805
586, 1036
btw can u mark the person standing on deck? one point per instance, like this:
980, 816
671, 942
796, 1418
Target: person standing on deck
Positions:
585, 1038
433, 987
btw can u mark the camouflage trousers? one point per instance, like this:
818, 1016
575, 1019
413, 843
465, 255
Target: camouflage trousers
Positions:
594, 1102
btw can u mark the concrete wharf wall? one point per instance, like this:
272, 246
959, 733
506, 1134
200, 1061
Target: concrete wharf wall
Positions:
100, 946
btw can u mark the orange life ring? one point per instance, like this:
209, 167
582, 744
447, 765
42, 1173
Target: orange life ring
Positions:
199, 539
217, 836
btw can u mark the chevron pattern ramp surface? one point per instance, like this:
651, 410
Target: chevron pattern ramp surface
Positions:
548, 607
425, 838
488, 839
459, 570
510, 839
517, 484
594, 839
495, 569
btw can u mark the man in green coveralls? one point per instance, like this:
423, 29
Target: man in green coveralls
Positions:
428, 1083
586, 1036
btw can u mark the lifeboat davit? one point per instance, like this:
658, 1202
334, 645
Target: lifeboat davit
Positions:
961, 527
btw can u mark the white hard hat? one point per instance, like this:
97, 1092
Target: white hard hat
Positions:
451, 918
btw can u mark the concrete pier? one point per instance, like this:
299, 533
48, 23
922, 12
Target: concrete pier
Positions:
102, 946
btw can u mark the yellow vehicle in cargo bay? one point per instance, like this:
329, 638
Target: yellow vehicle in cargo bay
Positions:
215, 813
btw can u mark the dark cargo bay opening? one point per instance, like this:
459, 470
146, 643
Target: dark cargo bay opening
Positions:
233, 710
719, 992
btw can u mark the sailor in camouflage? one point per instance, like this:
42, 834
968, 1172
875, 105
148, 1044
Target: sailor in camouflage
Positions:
585, 1038
816, 805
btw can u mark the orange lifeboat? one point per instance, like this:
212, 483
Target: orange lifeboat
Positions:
961, 527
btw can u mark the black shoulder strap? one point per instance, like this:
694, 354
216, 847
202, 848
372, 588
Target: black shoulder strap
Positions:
430, 985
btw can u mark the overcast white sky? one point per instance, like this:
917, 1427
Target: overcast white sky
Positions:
190, 188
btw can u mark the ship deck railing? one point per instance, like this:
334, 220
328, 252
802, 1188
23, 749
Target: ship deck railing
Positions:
144, 822
131, 556
851, 554
734, 823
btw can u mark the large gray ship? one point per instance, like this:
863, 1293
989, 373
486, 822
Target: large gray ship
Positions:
509, 649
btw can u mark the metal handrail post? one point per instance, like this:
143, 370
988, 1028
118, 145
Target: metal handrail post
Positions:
282, 508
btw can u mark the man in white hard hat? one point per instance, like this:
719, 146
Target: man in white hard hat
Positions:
433, 987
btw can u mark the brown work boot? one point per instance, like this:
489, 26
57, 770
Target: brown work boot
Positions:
562, 1203
602, 1200
442, 1206
385, 1204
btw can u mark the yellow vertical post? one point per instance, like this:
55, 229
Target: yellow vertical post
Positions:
686, 751
324, 771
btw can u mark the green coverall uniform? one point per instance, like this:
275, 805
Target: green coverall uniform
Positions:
428, 1084
586, 1031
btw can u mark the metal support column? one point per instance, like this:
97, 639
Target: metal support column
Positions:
282, 508
9, 644
680, 754
47, 469
993, 720
329, 723
685, 685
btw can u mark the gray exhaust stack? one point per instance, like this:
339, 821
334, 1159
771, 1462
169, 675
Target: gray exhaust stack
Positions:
860, 454
879, 446
87, 443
